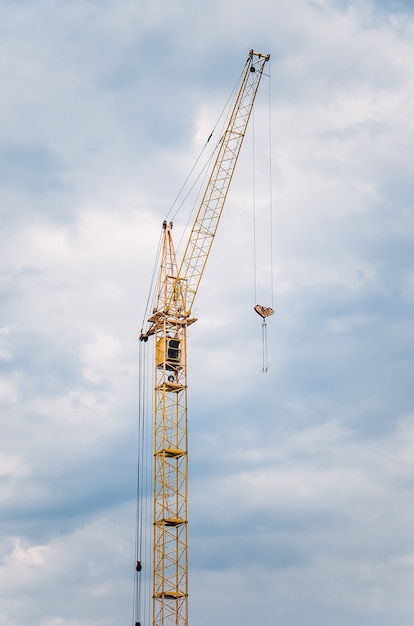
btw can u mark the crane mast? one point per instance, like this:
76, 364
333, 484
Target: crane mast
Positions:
177, 288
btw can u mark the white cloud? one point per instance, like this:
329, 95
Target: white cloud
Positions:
12, 466
82, 559
9, 393
300, 479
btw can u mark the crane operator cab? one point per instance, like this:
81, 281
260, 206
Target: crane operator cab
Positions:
169, 352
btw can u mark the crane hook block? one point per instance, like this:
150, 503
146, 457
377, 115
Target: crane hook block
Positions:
263, 311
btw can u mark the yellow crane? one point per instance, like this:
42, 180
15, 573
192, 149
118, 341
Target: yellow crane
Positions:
177, 289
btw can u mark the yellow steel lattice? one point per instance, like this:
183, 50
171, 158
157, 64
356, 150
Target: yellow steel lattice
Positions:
168, 323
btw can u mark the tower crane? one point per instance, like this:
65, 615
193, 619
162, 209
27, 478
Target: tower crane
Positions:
170, 318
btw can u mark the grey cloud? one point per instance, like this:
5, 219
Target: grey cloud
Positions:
300, 479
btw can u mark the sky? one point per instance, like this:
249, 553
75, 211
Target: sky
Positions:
301, 479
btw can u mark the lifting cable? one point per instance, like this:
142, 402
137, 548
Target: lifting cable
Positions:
152, 295
193, 178
196, 179
143, 559
264, 311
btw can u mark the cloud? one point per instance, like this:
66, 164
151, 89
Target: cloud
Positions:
81, 561
314, 507
301, 479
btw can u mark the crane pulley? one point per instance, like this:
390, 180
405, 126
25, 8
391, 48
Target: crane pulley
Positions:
170, 318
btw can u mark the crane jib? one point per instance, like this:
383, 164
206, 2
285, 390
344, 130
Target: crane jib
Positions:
208, 216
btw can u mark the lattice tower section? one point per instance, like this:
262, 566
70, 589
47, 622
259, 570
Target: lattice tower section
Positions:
170, 567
